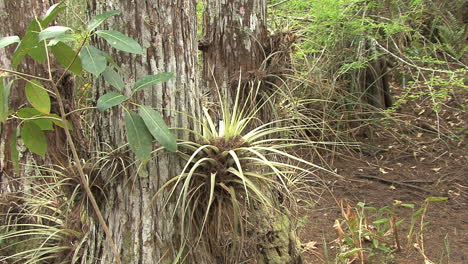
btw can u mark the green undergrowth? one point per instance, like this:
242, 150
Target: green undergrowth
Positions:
422, 44
368, 234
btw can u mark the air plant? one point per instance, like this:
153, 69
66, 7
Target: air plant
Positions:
232, 169
41, 224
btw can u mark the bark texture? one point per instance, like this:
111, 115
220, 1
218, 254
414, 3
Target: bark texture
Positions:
234, 33
374, 84
15, 17
166, 29
235, 45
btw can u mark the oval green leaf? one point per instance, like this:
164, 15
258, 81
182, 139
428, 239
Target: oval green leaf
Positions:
120, 41
42, 121
97, 20
138, 136
150, 80
29, 41
38, 53
52, 13
33, 138
4, 96
113, 78
37, 96
65, 38
158, 128
66, 56
109, 100
381, 221
5, 41
53, 31
93, 60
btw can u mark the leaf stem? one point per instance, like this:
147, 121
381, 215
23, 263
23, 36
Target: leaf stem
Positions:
76, 157
24, 74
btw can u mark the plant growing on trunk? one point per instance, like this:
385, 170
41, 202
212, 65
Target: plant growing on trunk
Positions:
232, 171
44, 223
71, 49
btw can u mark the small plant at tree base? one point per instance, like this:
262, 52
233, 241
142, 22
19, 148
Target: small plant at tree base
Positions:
362, 241
44, 224
359, 239
419, 215
50, 45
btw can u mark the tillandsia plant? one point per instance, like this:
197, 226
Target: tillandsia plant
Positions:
54, 45
42, 225
231, 171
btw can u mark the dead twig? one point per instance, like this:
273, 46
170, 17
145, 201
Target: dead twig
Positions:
394, 183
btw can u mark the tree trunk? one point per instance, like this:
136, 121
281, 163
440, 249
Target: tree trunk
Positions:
374, 84
234, 33
141, 227
234, 40
15, 17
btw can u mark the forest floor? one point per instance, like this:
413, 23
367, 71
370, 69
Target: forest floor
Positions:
406, 163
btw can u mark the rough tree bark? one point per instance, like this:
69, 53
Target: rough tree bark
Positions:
142, 228
15, 17
233, 46
234, 33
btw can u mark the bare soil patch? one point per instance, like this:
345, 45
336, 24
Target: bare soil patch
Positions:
416, 164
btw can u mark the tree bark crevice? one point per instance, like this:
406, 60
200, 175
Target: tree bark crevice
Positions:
167, 32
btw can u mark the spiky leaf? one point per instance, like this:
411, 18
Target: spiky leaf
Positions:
109, 100
37, 96
138, 136
4, 95
157, 127
3, 107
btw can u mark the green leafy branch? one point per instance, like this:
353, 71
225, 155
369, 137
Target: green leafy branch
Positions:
40, 42
88, 58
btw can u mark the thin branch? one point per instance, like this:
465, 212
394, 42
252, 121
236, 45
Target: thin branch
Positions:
81, 109
279, 3
73, 61
388, 181
77, 160
23, 74
409, 63
303, 19
47, 52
